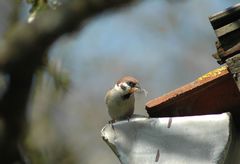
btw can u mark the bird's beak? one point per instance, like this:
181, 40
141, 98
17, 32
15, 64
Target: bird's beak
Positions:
135, 89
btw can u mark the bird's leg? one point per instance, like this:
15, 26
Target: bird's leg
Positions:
111, 123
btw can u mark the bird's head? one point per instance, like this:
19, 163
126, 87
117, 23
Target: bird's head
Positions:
128, 85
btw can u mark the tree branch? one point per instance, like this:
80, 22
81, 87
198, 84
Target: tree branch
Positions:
28, 42
24, 51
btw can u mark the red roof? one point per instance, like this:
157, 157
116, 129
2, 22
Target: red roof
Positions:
214, 92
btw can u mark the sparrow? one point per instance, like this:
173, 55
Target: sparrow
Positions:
120, 99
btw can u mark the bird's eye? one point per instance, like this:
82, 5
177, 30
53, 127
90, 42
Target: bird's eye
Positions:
131, 84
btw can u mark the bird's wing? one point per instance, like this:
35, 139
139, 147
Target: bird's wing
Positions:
107, 96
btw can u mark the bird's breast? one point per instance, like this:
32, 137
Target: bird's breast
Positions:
120, 108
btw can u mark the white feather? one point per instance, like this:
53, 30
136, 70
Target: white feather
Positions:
119, 108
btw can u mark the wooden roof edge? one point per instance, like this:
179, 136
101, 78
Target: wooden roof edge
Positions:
190, 88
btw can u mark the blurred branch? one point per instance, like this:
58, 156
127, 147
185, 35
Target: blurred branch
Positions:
38, 4
13, 17
60, 77
24, 51
35, 38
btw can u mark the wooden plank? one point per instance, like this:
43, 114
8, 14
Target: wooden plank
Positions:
224, 17
215, 92
226, 25
227, 28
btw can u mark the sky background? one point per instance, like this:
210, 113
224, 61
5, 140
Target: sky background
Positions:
163, 43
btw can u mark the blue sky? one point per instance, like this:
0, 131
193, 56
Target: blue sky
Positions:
153, 39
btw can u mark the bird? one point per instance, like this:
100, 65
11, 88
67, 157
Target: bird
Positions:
120, 99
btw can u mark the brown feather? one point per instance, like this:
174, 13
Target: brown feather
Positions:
126, 79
